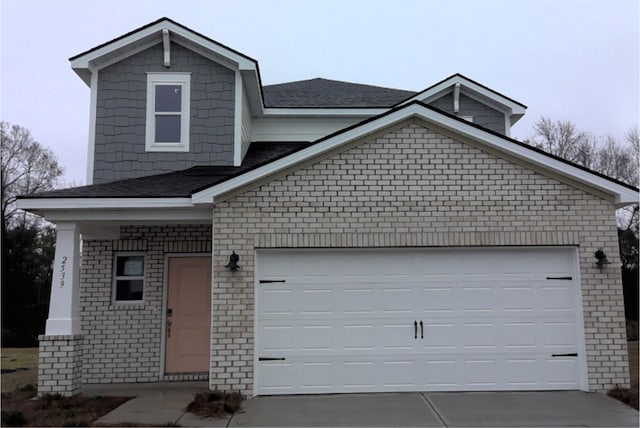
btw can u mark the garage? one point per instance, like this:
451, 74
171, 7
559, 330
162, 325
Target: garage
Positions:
452, 319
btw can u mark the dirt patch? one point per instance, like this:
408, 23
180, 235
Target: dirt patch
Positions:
19, 408
215, 404
19, 368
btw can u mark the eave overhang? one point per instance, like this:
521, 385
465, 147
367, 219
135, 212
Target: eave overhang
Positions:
620, 193
93, 60
514, 109
197, 206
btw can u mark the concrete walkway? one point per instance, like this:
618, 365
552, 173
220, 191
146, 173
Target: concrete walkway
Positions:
163, 406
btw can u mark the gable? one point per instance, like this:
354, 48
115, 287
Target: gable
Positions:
474, 111
121, 115
413, 175
621, 193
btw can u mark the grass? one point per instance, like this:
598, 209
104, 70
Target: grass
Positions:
19, 367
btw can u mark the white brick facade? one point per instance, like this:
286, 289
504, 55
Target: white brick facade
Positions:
411, 187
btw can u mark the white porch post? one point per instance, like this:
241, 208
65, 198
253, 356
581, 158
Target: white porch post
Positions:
64, 305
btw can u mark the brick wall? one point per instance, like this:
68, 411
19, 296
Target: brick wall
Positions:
121, 115
413, 187
59, 364
122, 342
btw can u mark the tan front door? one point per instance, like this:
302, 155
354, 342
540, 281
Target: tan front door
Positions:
188, 315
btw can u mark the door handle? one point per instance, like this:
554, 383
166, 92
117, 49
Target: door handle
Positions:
421, 330
169, 328
415, 329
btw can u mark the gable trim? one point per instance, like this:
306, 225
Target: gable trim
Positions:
622, 194
474, 90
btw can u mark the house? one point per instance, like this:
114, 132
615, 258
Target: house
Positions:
321, 236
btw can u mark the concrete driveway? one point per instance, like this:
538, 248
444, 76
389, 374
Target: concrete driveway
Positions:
162, 404
478, 409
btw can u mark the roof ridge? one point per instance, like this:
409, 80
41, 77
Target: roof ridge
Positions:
337, 81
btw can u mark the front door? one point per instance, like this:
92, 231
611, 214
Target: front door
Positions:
188, 315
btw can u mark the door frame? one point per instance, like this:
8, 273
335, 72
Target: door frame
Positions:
165, 297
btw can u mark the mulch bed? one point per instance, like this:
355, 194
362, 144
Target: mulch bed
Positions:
629, 396
19, 408
215, 404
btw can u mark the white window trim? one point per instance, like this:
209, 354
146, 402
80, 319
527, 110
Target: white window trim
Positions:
184, 80
114, 285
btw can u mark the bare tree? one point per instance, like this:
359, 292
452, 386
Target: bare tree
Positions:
563, 139
27, 168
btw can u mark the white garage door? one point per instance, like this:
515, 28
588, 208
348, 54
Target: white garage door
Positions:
418, 320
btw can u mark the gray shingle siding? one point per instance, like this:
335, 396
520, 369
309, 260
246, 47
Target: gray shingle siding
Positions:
121, 115
483, 115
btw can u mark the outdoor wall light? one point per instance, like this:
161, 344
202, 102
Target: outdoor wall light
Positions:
602, 259
233, 262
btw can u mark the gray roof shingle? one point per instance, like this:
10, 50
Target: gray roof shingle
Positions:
179, 183
325, 93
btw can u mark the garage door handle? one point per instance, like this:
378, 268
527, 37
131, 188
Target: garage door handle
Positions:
564, 355
415, 329
421, 330
270, 359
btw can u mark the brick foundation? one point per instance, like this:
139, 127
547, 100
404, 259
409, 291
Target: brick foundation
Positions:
60, 365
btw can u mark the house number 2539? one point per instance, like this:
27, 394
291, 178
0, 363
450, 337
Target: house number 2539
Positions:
63, 265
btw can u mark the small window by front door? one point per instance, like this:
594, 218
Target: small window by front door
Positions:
128, 278
168, 111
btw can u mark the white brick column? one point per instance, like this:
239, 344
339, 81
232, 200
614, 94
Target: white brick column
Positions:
64, 304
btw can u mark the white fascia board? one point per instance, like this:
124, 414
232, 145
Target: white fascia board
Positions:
621, 194
320, 112
105, 217
153, 33
44, 204
237, 121
436, 91
254, 91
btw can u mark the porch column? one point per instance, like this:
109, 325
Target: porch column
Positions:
60, 356
64, 304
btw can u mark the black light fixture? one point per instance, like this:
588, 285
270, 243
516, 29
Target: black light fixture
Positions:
602, 259
233, 262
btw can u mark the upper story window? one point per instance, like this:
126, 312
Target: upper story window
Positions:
168, 104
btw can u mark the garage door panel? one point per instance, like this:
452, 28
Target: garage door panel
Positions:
440, 336
277, 303
439, 299
317, 301
343, 320
358, 301
277, 338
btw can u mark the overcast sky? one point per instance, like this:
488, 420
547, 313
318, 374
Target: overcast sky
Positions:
566, 59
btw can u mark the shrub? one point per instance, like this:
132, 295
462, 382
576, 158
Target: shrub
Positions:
13, 419
215, 404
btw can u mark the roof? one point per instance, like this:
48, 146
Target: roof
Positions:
161, 195
325, 93
178, 184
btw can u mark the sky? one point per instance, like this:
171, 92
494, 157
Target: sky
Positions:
574, 60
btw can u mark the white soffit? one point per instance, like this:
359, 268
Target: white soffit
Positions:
621, 194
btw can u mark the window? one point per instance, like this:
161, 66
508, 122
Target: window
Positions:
168, 102
129, 278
